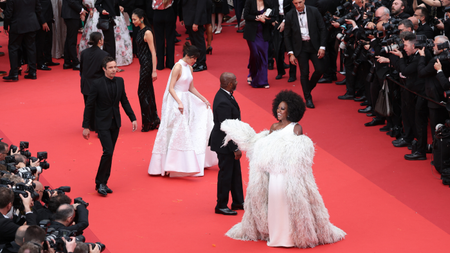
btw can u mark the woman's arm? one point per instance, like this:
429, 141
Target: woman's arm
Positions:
194, 91
176, 73
148, 37
298, 130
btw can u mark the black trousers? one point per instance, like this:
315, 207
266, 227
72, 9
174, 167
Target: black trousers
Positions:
279, 48
309, 53
238, 8
165, 24
44, 41
92, 120
197, 39
408, 114
108, 140
14, 45
229, 179
70, 46
331, 57
109, 40
421, 124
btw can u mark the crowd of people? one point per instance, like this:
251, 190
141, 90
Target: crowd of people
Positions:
396, 57
35, 217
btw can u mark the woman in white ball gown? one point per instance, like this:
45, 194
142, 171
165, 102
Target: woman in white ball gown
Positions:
180, 147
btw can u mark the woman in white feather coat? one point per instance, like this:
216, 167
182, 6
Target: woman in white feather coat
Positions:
283, 205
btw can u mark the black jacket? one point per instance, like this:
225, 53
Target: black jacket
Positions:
106, 108
23, 16
251, 25
224, 107
71, 9
47, 11
91, 60
193, 12
433, 87
82, 222
8, 228
111, 6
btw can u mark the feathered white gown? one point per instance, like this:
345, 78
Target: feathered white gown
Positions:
281, 182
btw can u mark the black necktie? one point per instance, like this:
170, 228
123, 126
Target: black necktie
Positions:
300, 13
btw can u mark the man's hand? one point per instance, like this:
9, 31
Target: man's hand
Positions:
382, 59
335, 24
121, 8
104, 12
34, 164
75, 205
45, 27
351, 22
437, 65
86, 133
321, 53
70, 246
194, 27
421, 51
397, 53
94, 249
237, 155
134, 125
292, 59
50, 249
281, 27
27, 202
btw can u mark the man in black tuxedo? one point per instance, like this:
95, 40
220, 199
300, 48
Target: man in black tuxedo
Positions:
44, 36
65, 216
229, 178
7, 227
72, 12
108, 10
22, 20
305, 40
421, 13
91, 61
104, 97
193, 14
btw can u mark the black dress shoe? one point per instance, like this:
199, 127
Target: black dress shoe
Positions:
386, 128
399, 143
362, 98
346, 96
325, 80
11, 78
176, 40
108, 190
199, 68
31, 76
309, 103
237, 206
67, 66
270, 66
102, 190
365, 110
77, 67
291, 79
225, 211
375, 122
365, 103
371, 114
341, 82
240, 30
286, 66
43, 67
278, 77
177, 34
187, 38
415, 156
50, 63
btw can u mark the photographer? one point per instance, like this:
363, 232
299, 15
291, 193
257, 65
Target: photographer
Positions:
398, 9
8, 228
421, 13
54, 202
433, 72
65, 215
414, 104
14, 246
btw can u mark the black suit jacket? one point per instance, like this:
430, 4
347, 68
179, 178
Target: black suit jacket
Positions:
292, 34
106, 108
8, 228
435, 83
71, 9
224, 107
250, 13
111, 6
410, 71
425, 30
91, 60
193, 12
47, 11
22, 16
81, 224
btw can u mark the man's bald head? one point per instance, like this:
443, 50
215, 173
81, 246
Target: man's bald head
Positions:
20, 234
226, 78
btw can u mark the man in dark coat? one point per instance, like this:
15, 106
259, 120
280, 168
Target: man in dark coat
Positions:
104, 97
72, 12
44, 37
229, 178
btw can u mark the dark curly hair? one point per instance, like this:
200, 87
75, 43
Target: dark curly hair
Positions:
295, 103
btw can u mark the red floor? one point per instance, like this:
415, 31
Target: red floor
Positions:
384, 203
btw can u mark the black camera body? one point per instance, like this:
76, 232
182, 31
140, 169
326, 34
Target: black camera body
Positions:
21, 189
49, 192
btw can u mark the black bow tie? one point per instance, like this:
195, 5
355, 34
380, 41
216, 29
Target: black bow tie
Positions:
300, 13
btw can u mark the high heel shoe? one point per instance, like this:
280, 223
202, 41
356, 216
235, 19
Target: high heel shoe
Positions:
209, 50
218, 30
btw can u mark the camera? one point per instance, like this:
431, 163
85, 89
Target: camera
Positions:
21, 189
55, 239
423, 42
79, 200
22, 149
49, 192
101, 246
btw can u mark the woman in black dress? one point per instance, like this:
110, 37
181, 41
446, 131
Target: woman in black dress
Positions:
147, 74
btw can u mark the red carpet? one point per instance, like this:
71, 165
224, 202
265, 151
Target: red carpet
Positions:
384, 203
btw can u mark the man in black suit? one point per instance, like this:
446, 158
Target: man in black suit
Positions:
91, 61
104, 97
72, 12
305, 40
193, 15
229, 178
44, 36
421, 13
22, 20
65, 215
7, 227
108, 10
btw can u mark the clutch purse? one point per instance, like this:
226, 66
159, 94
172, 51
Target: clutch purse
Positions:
103, 24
